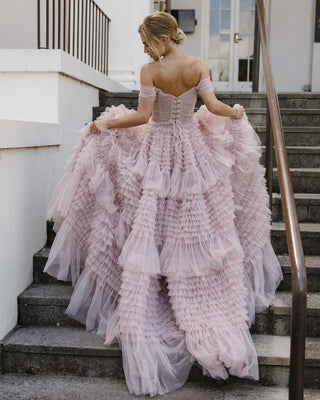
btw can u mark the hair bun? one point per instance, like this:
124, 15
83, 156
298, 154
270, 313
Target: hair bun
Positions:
179, 36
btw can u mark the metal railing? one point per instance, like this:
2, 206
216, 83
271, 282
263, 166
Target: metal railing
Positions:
162, 6
78, 27
299, 279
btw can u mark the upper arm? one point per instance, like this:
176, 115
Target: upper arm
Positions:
209, 98
145, 107
146, 75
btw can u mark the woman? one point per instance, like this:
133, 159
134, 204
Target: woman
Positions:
163, 225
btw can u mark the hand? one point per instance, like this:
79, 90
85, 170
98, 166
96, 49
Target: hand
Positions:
97, 125
239, 111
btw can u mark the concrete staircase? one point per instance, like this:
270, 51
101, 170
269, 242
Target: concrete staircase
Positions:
50, 356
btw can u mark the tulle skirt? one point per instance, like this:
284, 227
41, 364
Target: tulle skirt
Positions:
164, 231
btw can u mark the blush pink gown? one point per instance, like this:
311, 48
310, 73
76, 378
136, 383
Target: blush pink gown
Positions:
164, 231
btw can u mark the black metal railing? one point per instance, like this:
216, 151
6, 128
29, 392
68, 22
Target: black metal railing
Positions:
299, 276
78, 27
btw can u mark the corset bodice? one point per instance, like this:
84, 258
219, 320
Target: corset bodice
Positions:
168, 107
171, 108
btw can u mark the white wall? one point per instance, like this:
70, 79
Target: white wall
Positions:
196, 44
25, 180
126, 55
291, 42
44, 101
316, 68
18, 24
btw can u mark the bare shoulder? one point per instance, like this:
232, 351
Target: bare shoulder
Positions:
203, 68
146, 74
198, 66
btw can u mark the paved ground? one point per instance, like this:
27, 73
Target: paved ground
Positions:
31, 387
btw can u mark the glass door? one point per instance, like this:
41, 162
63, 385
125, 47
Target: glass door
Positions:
243, 44
220, 43
231, 38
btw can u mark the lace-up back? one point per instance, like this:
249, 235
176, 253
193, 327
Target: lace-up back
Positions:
168, 107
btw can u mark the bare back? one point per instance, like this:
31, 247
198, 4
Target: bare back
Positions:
176, 75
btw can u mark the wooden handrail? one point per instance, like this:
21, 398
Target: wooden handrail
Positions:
299, 280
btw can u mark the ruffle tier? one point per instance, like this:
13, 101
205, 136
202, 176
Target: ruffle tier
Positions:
164, 231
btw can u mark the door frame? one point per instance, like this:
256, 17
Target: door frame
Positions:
232, 84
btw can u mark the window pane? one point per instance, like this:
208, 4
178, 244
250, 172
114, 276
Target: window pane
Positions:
215, 4
244, 4
243, 70
226, 4
214, 69
243, 47
224, 46
214, 46
250, 47
250, 71
224, 70
225, 21
214, 22
246, 23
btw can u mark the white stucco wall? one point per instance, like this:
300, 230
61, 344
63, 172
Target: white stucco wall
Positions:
25, 180
316, 68
44, 101
196, 43
126, 55
18, 24
291, 42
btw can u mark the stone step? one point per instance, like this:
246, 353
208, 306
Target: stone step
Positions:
248, 100
307, 206
73, 351
39, 262
299, 156
27, 387
256, 116
313, 273
277, 319
45, 305
289, 116
295, 135
304, 180
312, 264
310, 235
259, 100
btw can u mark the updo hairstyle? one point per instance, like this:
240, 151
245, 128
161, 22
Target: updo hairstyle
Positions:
160, 24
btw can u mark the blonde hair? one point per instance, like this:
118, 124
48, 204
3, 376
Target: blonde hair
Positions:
160, 24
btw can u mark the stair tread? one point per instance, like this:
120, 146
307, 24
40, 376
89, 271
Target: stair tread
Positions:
300, 149
312, 262
47, 293
297, 170
259, 110
23, 387
59, 295
271, 349
281, 304
291, 129
284, 110
299, 196
305, 227
62, 340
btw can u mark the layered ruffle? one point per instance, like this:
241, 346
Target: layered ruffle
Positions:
164, 231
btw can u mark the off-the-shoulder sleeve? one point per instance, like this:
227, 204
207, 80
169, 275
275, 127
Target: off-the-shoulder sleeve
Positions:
147, 93
204, 86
